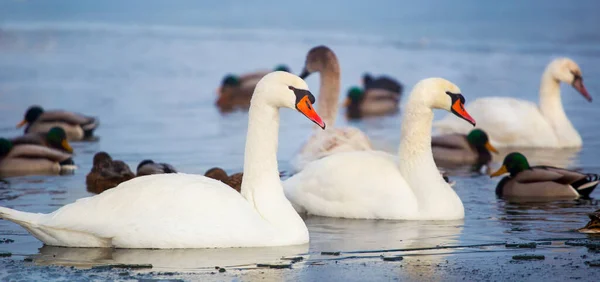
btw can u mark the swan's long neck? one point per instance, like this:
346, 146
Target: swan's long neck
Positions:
329, 94
261, 185
418, 168
552, 109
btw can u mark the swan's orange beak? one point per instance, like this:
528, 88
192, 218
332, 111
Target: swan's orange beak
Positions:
578, 85
459, 109
306, 108
500, 171
22, 123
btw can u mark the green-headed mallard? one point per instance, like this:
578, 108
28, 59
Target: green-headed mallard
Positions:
373, 102
147, 167
27, 159
381, 82
56, 138
77, 127
460, 149
541, 181
234, 180
107, 173
594, 225
236, 90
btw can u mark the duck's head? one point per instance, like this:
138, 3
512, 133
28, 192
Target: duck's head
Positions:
439, 93
32, 114
5, 146
285, 90
567, 71
282, 67
57, 138
354, 96
101, 158
318, 59
143, 163
231, 80
513, 163
217, 173
594, 225
479, 139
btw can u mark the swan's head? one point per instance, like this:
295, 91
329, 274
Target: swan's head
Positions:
318, 59
438, 93
32, 114
282, 89
567, 71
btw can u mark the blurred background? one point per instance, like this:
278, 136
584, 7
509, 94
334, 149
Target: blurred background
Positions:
149, 71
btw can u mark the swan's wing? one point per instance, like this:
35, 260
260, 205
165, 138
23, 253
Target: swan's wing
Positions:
360, 184
507, 121
163, 211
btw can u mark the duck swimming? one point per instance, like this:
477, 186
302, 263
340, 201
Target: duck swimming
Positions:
234, 180
376, 185
512, 122
323, 143
236, 91
55, 138
107, 173
28, 159
148, 167
370, 102
542, 181
178, 210
382, 82
77, 127
459, 149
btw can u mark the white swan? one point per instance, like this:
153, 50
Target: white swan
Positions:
511, 122
323, 143
376, 185
192, 211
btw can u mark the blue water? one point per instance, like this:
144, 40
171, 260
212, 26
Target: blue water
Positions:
149, 70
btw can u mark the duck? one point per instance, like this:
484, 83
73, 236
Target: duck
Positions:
148, 167
377, 185
593, 226
236, 91
234, 180
179, 210
512, 122
55, 138
77, 127
371, 102
463, 149
541, 181
381, 82
321, 143
106, 173
29, 159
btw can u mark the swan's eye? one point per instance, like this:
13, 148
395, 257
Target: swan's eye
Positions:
456, 96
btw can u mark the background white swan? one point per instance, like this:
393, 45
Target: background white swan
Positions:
335, 139
191, 211
372, 184
511, 122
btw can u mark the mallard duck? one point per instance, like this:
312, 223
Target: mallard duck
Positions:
184, 211
512, 122
234, 180
107, 173
382, 82
55, 138
541, 181
76, 126
594, 225
148, 167
373, 102
27, 159
459, 149
236, 91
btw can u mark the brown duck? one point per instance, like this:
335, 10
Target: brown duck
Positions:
234, 180
107, 173
593, 226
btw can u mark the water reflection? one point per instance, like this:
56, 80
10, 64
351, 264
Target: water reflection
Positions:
171, 260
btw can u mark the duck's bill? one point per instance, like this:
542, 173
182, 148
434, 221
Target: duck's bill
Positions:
490, 148
499, 172
304, 73
21, 124
306, 108
65, 144
459, 109
578, 85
